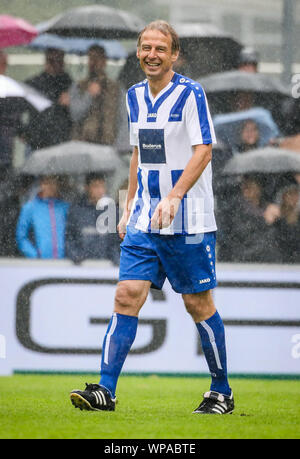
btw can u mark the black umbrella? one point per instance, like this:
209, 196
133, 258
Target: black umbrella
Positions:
17, 95
201, 30
237, 81
268, 160
238, 90
208, 48
72, 157
95, 21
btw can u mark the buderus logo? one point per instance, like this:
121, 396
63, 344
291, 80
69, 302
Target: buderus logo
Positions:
152, 146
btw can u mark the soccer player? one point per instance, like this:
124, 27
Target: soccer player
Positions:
168, 226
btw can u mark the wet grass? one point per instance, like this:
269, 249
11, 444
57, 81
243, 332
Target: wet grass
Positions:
38, 407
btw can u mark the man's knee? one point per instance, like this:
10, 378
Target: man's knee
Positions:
130, 296
199, 305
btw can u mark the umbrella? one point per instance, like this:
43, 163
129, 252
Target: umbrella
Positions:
72, 157
208, 48
228, 125
238, 90
15, 31
95, 21
24, 95
201, 30
236, 81
80, 46
268, 160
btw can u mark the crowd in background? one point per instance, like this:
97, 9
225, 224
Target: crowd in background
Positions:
258, 216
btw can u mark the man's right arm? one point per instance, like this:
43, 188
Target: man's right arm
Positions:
132, 186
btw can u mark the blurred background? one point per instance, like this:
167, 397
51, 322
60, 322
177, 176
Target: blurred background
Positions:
253, 23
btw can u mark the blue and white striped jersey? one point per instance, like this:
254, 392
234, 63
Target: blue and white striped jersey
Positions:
164, 129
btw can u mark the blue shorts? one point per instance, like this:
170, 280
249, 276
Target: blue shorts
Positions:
188, 262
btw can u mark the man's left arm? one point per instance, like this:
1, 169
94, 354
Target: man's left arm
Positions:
167, 208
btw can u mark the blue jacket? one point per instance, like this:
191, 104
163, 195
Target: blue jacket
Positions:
41, 228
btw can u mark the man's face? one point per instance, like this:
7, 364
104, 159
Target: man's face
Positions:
251, 190
55, 62
155, 54
96, 190
250, 133
49, 187
96, 62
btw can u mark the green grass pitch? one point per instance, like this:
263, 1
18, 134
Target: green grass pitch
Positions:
149, 407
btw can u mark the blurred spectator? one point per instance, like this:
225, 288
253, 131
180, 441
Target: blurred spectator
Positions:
290, 112
94, 102
248, 60
246, 227
41, 224
3, 62
249, 136
182, 65
9, 211
83, 240
131, 72
54, 82
54, 124
9, 122
243, 100
297, 180
287, 227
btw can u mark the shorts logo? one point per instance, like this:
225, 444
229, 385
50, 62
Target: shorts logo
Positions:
204, 281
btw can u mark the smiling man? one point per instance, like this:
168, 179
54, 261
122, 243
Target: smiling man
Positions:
168, 226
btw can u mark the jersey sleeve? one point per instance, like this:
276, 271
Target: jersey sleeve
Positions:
132, 116
198, 119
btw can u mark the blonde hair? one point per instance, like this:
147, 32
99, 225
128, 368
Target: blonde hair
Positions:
166, 29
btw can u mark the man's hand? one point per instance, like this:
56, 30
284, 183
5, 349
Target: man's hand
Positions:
271, 213
122, 224
165, 212
94, 89
64, 99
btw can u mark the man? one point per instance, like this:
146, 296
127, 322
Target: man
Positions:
41, 225
9, 124
3, 62
53, 125
54, 82
172, 133
93, 102
83, 240
248, 60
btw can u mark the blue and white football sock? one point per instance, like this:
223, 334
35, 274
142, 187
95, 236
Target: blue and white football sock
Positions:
212, 335
118, 340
